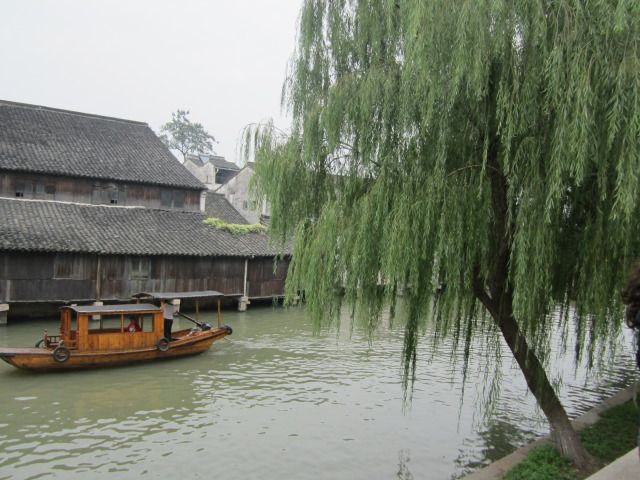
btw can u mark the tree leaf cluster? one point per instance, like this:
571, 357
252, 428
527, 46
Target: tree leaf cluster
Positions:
186, 136
407, 114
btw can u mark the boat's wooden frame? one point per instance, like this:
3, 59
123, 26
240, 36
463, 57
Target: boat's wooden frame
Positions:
85, 342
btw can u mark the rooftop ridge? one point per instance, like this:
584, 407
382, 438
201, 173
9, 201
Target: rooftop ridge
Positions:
68, 112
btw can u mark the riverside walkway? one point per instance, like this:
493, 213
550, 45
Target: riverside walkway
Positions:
626, 467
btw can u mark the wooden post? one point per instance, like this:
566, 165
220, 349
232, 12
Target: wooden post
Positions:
246, 265
99, 278
197, 312
244, 300
219, 322
4, 308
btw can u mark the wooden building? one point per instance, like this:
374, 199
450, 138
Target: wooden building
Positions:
96, 209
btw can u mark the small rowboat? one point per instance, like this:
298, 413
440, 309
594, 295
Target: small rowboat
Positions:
112, 335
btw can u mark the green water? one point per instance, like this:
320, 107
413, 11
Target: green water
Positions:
273, 402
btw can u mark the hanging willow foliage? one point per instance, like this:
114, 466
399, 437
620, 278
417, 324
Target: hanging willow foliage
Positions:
482, 149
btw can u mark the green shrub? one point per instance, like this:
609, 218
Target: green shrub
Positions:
234, 228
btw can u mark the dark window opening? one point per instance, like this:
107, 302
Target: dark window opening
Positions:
24, 189
109, 194
166, 198
172, 198
178, 199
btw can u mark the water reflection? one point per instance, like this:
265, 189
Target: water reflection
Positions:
275, 401
403, 466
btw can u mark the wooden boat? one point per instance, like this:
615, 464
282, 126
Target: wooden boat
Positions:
99, 336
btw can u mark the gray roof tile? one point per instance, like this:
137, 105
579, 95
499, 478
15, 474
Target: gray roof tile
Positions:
38, 225
215, 160
47, 140
217, 206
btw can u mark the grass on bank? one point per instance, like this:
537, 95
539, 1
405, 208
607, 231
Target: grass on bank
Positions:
609, 438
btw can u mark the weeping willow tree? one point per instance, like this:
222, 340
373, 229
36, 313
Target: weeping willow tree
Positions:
486, 150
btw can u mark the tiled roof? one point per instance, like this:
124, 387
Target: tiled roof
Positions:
216, 160
38, 225
221, 162
51, 141
217, 206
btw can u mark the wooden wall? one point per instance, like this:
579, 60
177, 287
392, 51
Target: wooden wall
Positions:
49, 277
98, 192
266, 277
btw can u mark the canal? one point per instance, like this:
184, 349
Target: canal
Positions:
275, 401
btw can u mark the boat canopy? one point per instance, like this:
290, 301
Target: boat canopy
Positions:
126, 308
179, 295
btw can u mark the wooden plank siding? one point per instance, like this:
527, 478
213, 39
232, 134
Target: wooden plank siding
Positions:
51, 277
97, 192
266, 277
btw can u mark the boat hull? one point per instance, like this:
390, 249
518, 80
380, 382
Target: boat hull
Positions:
42, 360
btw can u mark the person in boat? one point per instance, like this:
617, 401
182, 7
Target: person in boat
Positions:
631, 298
167, 313
133, 326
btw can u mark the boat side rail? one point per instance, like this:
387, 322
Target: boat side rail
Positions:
52, 341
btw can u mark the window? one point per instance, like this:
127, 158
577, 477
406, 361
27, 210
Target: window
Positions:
249, 205
107, 324
24, 189
166, 198
178, 199
138, 323
140, 268
44, 191
108, 195
172, 198
67, 266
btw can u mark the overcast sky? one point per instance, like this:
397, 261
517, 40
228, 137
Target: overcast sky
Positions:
223, 60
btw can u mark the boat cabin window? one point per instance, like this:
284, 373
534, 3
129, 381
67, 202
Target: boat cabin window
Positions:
121, 323
138, 323
106, 323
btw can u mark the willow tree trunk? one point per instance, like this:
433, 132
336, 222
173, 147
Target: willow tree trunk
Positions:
495, 292
562, 432
500, 307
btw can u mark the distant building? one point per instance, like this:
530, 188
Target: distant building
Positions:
96, 208
238, 194
212, 170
